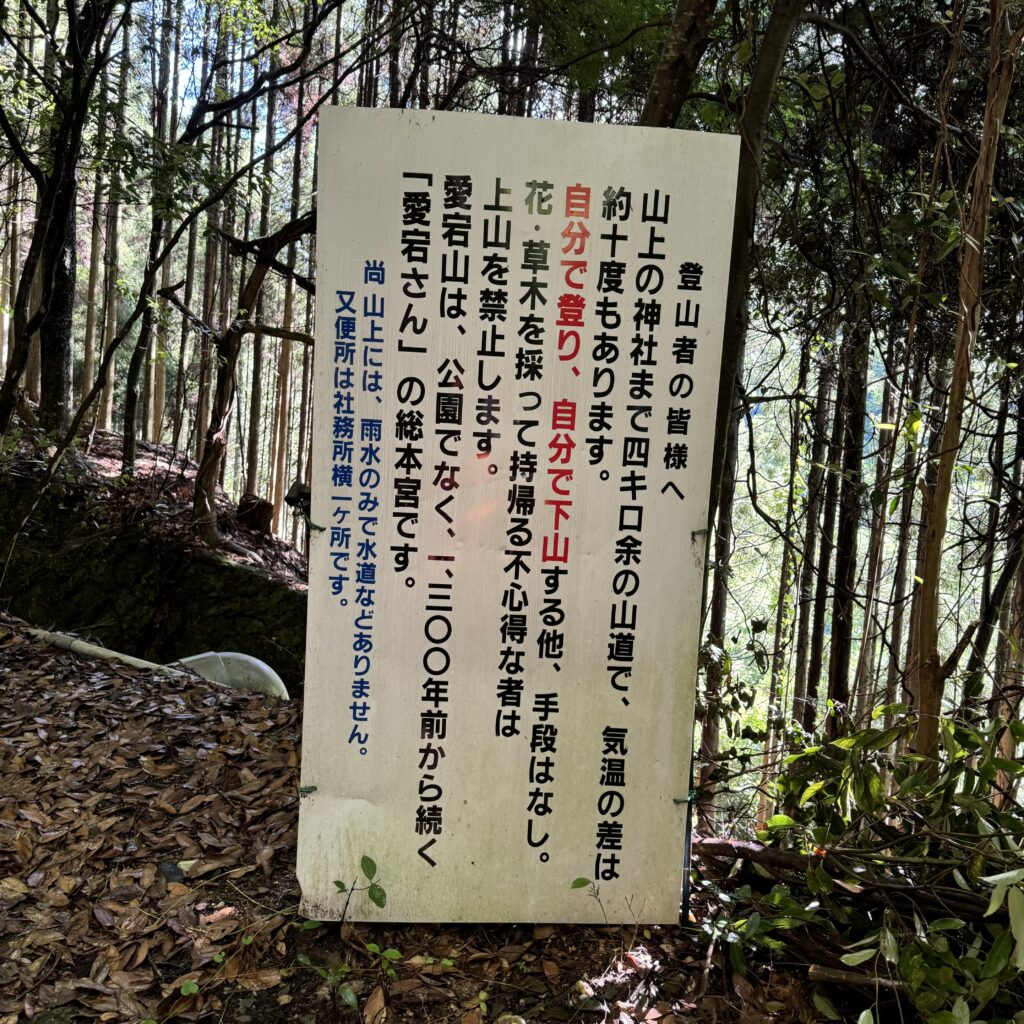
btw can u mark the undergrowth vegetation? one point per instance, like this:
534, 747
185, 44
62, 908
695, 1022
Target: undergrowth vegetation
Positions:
887, 874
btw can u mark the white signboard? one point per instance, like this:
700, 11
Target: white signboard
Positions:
518, 335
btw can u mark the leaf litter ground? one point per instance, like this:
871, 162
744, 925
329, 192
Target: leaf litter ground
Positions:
147, 853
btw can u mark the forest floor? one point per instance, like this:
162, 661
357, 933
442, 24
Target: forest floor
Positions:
147, 872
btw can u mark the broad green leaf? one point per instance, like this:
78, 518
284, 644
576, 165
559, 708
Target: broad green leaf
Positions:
377, 895
369, 868
889, 946
1015, 905
854, 959
945, 924
824, 1006
888, 709
998, 956
392, 955
806, 752
349, 996
812, 790
1005, 878
866, 1017
996, 901
883, 739
779, 821
580, 883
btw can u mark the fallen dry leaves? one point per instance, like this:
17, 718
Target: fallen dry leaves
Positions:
122, 795
147, 850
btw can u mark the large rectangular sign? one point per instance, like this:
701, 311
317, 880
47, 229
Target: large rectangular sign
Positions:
518, 334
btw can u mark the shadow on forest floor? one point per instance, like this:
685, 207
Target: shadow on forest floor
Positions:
118, 560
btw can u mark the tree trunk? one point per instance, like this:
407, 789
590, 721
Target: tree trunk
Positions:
815, 658
815, 481
687, 39
284, 369
112, 297
717, 615
252, 482
852, 399
994, 596
1008, 691
932, 673
161, 184
867, 675
60, 262
92, 297
13, 262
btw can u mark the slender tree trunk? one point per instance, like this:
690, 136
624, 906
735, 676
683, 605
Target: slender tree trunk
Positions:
14, 260
908, 474
425, 63
505, 78
5, 286
301, 446
92, 302
181, 383
1009, 689
815, 658
112, 296
161, 185
284, 369
527, 70
815, 481
252, 480
163, 339
932, 672
685, 43
852, 398
209, 267
717, 616
33, 382
783, 595
997, 591
866, 677
394, 54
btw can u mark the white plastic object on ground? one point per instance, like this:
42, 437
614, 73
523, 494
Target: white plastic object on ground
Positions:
225, 668
239, 671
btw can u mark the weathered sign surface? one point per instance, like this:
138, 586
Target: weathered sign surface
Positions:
518, 340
